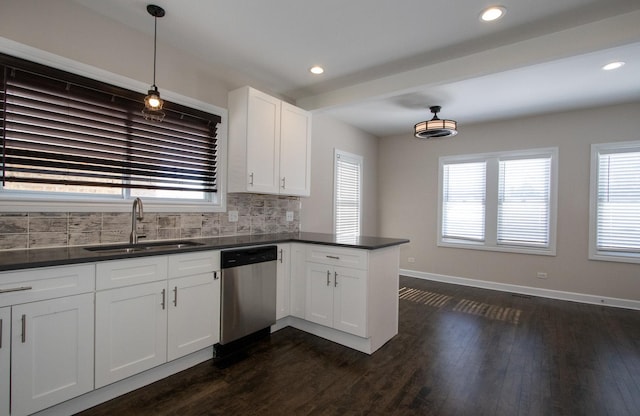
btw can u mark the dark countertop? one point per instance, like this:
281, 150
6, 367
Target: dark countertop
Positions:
44, 257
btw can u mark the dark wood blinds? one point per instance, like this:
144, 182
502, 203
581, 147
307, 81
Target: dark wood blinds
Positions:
61, 128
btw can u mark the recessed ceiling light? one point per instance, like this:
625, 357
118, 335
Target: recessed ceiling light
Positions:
613, 65
492, 13
316, 70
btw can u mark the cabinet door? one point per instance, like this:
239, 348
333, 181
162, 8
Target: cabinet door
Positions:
295, 151
5, 321
51, 352
319, 300
194, 314
131, 331
298, 292
283, 270
263, 143
350, 300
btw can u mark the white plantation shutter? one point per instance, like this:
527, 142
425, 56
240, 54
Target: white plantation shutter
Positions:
348, 184
463, 196
618, 201
524, 190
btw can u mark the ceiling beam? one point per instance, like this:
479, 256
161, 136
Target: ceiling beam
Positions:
603, 34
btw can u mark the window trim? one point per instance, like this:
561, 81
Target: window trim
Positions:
594, 253
491, 210
82, 203
360, 161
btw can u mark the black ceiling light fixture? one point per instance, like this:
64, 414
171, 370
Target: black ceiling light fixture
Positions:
435, 127
152, 102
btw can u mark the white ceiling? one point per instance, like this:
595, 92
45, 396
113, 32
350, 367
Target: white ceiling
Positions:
387, 61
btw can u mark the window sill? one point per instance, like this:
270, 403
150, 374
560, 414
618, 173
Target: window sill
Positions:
101, 205
615, 257
501, 249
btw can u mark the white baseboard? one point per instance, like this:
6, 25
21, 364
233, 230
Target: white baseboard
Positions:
526, 290
348, 340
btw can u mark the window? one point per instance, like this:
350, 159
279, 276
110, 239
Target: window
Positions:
524, 196
464, 201
615, 202
348, 185
70, 137
500, 201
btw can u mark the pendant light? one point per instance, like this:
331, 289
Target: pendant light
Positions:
435, 127
152, 102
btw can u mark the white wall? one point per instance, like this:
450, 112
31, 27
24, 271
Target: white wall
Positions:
408, 171
317, 210
67, 29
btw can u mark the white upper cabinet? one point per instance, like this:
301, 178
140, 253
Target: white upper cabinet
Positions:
269, 146
295, 151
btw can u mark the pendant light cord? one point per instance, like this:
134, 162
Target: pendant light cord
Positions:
155, 41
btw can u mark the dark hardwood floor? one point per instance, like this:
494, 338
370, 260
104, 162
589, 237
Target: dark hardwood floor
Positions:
459, 351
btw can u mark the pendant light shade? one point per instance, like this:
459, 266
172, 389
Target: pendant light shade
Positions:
152, 102
435, 127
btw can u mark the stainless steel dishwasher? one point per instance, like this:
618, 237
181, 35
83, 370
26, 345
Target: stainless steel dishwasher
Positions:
248, 304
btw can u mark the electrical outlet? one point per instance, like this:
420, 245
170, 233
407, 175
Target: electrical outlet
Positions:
411, 259
541, 275
233, 216
289, 215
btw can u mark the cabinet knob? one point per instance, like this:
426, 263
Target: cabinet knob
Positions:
328, 278
251, 179
335, 279
284, 179
164, 295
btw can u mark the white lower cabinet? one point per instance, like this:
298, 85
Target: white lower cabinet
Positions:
131, 331
337, 297
5, 360
351, 295
194, 302
298, 285
46, 337
194, 314
51, 352
141, 326
283, 285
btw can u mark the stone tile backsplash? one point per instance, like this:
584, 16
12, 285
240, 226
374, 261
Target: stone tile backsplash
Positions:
257, 214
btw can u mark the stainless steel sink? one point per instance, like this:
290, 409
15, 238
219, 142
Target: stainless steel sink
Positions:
143, 247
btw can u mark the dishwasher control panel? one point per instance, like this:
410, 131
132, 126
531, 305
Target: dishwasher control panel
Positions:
252, 255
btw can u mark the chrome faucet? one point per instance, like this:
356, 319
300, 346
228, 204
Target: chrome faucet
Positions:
137, 213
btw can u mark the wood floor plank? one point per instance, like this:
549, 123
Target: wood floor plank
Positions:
459, 351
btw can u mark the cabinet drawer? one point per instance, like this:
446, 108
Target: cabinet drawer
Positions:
188, 264
119, 273
45, 283
338, 256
